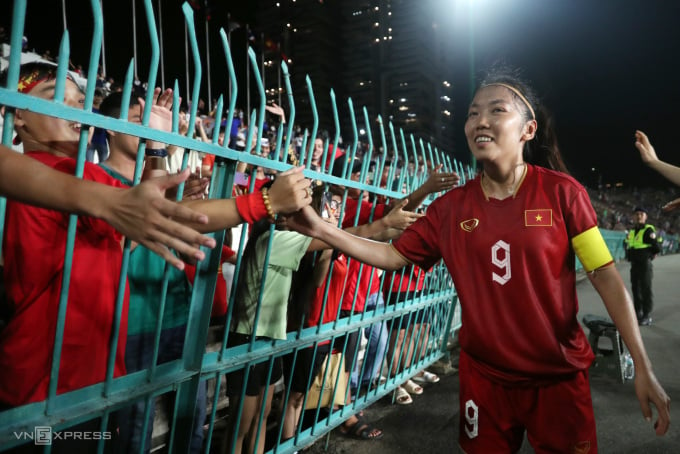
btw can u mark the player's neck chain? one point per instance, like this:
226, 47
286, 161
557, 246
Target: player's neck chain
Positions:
509, 189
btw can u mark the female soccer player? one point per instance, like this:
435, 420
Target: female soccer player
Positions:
508, 238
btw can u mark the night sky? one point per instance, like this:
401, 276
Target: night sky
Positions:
604, 67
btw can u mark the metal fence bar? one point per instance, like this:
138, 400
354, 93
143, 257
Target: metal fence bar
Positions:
315, 123
71, 232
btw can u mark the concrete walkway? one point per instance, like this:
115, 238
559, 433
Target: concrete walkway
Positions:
430, 423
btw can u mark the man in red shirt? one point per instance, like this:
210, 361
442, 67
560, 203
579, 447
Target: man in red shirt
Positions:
33, 250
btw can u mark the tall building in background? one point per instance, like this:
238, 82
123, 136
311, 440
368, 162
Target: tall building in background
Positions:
306, 35
387, 55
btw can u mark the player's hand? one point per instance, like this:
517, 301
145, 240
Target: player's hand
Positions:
648, 389
306, 222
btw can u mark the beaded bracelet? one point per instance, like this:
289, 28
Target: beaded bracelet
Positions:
267, 204
160, 153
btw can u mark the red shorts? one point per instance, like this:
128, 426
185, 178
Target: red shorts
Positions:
557, 417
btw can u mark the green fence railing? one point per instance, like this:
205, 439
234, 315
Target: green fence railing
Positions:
208, 358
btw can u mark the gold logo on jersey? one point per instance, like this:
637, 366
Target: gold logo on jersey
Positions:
469, 225
582, 447
538, 218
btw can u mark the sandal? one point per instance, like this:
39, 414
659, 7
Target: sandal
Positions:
403, 397
426, 377
412, 388
361, 430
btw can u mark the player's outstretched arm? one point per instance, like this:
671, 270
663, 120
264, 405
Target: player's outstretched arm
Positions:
373, 253
608, 283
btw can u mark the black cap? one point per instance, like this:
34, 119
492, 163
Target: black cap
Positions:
639, 208
339, 164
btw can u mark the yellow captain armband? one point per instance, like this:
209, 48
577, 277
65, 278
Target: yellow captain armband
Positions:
591, 249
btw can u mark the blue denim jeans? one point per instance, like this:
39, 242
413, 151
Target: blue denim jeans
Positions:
377, 343
138, 356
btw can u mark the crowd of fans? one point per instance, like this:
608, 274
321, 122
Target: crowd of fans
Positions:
353, 287
614, 206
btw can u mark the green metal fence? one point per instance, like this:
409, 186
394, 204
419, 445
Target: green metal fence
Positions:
184, 378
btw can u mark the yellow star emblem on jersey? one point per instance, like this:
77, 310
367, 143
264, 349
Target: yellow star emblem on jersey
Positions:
541, 217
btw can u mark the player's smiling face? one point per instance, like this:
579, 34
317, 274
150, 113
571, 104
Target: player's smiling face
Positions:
495, 127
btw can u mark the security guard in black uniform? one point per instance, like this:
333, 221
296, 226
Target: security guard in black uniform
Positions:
642, 245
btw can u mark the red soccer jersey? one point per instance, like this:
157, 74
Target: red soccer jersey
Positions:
513, 267
337, 281
369, 281
33, 248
